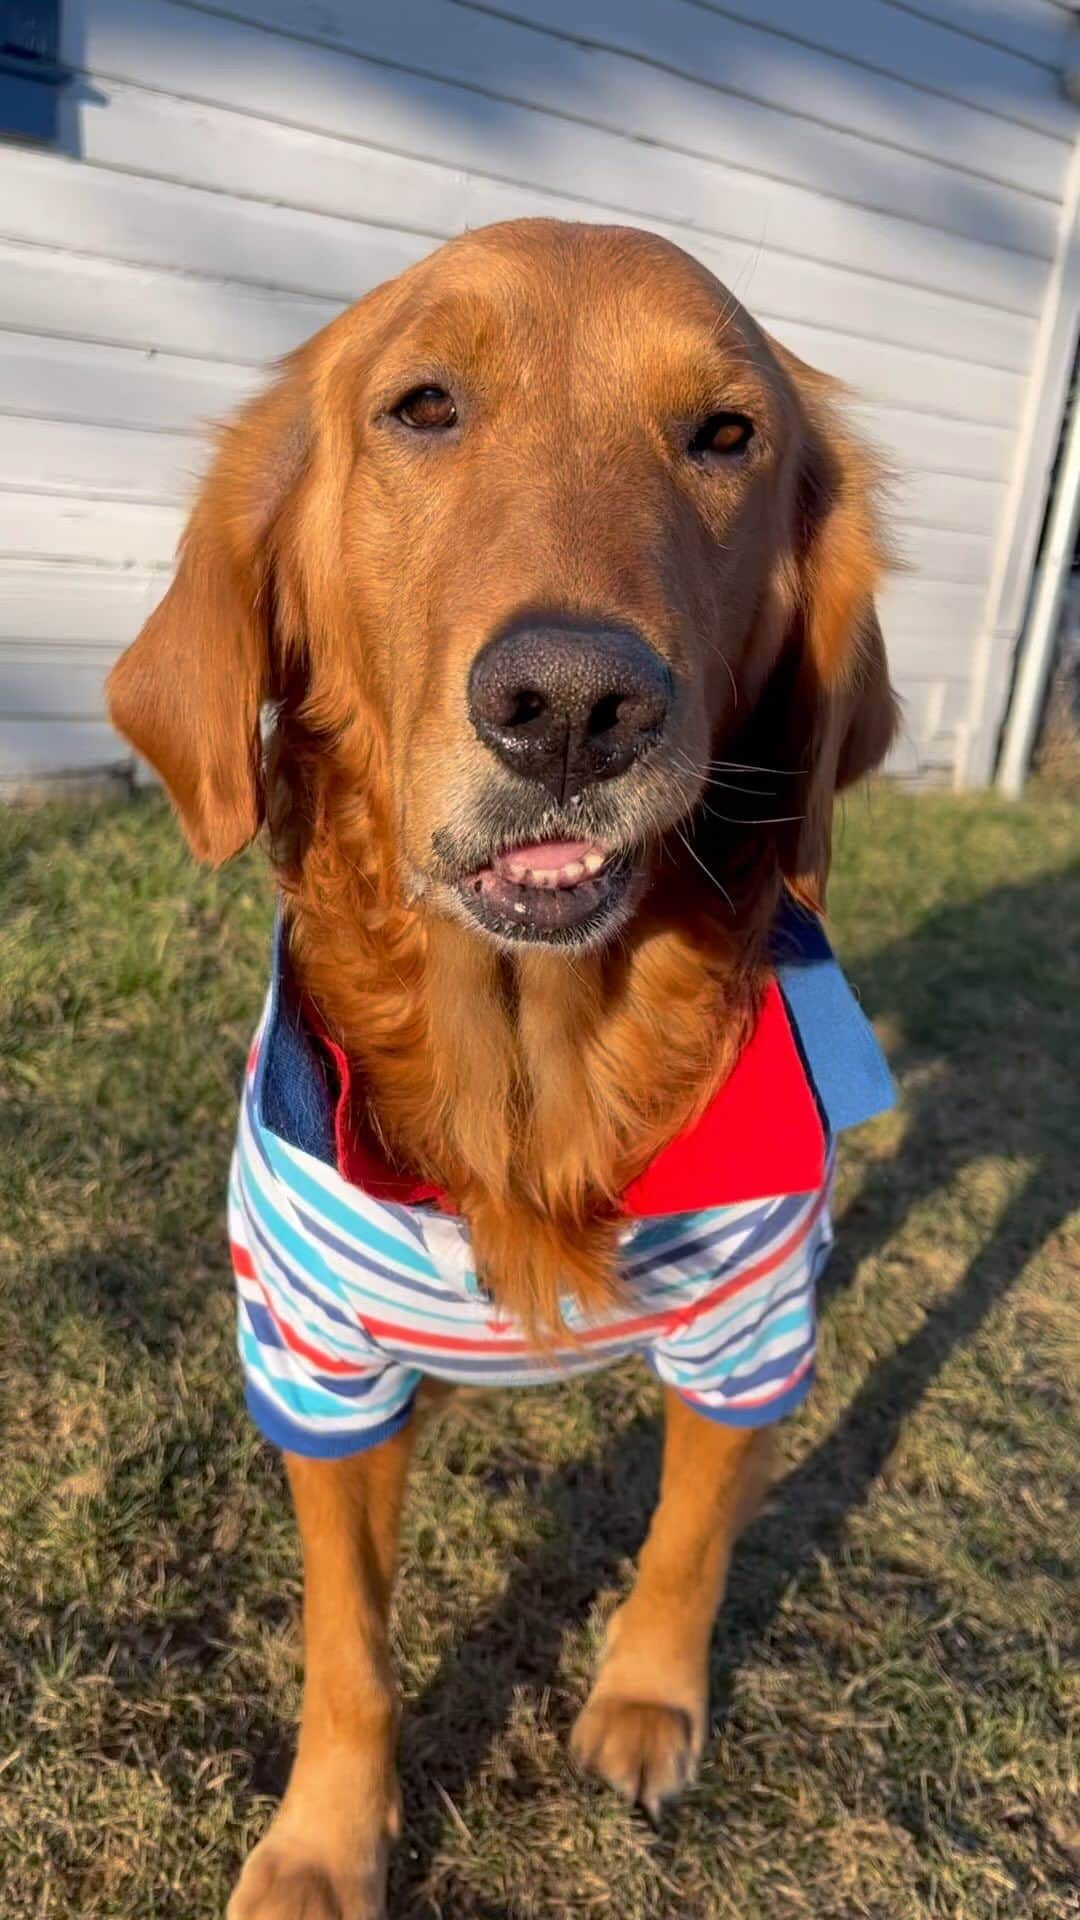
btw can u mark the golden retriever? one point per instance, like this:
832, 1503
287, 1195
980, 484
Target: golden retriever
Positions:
522, 551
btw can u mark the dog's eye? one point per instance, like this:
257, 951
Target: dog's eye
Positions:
428, 409
723, 433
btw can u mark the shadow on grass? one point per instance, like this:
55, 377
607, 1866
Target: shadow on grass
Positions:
982, 990
981, 985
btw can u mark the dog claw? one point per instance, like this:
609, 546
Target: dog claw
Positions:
646, 1751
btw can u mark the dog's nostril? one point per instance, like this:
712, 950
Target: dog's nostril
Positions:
527, 705
606, 714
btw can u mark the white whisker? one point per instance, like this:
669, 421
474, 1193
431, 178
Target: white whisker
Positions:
709, 876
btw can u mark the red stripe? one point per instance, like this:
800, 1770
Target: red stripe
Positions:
768, 1264
454, 1343
241, 1260
326, 1362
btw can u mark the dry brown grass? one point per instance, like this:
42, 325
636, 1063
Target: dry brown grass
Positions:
892, 1684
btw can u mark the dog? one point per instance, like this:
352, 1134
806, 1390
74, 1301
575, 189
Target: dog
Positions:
530, 613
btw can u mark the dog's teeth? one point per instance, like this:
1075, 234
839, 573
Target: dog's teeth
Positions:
569, 876
518, 872
593, 862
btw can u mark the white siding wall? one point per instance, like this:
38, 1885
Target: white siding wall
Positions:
880, 181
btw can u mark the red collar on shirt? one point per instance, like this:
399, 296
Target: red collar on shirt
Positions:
761, 1132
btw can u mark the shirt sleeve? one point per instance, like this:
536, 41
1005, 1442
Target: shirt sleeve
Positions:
744, 1355
314, 1381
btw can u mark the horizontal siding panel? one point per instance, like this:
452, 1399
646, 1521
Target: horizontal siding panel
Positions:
191, 230
1037, 29
53, 293
117, 386
937, 553
48, 292
933, 715
907, 44
741, 60
46, 606
929, 626
211, 147
61, 683
214, 234
36, 749
896, 377
67, 457
120, 533
917, 445
266, 75
948, 502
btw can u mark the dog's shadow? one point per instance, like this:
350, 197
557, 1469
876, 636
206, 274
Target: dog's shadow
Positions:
952, 991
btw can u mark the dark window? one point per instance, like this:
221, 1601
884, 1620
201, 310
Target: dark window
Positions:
30, 71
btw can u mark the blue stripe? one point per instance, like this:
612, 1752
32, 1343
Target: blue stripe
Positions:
737, 1384
281, 1432
301, 1395
749, 1245
269, 1335
292, 1279
762, 1416
351, 1251
357, 1388
261, 1323
797, 1292
505, 1369
788, 1323
352, 1219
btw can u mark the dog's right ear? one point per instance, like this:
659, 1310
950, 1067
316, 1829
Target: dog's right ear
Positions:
188, 693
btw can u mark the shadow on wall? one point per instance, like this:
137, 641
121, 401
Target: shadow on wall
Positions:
710, 108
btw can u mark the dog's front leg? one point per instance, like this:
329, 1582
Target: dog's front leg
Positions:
325, 1855
643, 1726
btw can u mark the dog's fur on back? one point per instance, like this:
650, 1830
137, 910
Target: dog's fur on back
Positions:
346, 574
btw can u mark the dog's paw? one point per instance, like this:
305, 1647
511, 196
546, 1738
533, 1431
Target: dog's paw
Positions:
646, 1751
283, 1880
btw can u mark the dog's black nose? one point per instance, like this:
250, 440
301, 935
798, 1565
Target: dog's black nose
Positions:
568, 705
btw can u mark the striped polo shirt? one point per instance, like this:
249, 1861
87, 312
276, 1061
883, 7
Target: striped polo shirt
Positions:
354, 1281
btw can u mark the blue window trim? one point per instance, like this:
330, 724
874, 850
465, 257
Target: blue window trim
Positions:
31, 72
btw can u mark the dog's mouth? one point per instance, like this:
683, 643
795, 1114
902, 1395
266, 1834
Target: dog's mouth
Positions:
560, 891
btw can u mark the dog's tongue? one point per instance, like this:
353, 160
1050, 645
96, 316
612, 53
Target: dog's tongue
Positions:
546, 856
547, 863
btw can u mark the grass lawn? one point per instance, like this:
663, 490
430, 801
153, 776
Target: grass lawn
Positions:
892, 1680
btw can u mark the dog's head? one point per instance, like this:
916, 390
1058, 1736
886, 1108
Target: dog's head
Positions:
523, 544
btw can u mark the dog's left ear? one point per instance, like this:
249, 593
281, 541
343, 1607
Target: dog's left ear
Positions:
188, 693
840, 710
